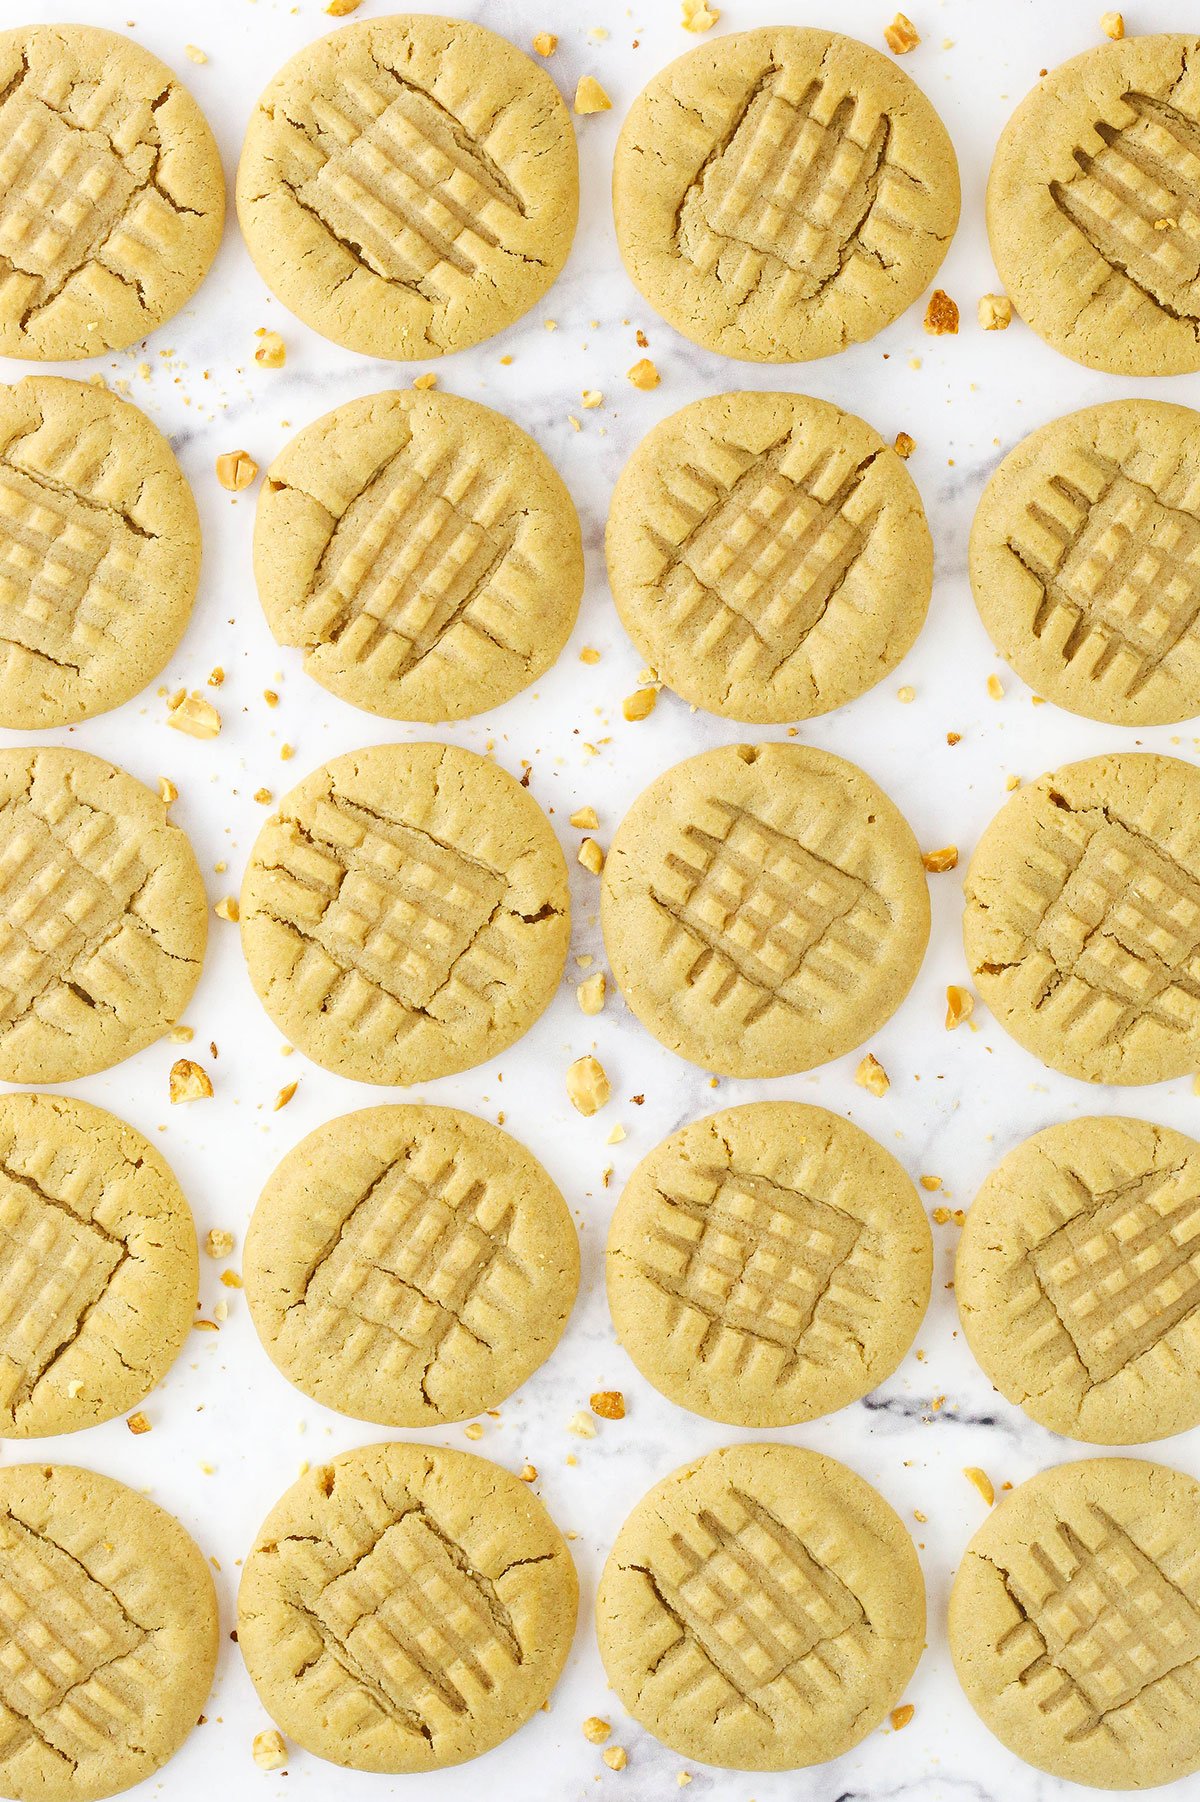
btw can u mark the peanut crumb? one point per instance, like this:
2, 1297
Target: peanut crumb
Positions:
937, 861
901, 35
872, 1075
994, 312
75, 1388
900, 1717
221, 1310
609, 1404
683, 1779
941, 315
904, 444
589, 654
586, 818
615, 1757
644, 374
982, 1482
263, 796
231, 1279
196, 716
218, 1243
1012, 782
271, 352
287, 752
545, 43
236, 470
954, 738
426, 381
1113, 25
194, 53
590, 96
580, 1424
588, 1087
592, 397
590, 994
960, 1005
227, 909
137, 1423
698, 15
617, 1135
270, 697
284, 1096
641, 704
189, 1082
181, 1035
473, 1429
591, 856
596, 1730
932, 1183
269, 1749
167, 791
528, 1473
906, 695
995, 688
216, 676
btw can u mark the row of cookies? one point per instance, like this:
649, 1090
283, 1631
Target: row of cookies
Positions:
409, 186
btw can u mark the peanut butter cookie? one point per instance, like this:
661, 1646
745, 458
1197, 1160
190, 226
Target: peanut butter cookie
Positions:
1082, 922
409, 185
761, 1609
782, 193
406, 1608
422, 553
764, 908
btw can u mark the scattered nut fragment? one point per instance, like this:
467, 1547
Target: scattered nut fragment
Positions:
901, 35
588, 1088
586, 818
900, 1717
995, 312
644, 374
904, 444
181, 1035
698, 15
137, 1423
906, 695
196, 716
615, 1757
426, 381
941, 315
227, 909
263, 796
872, 1075
960, 1005
545, 43
271, 352
528, 1473
591, 398
216, 677
590, 96
194, 53
236, 470
581, 1425
982, 1482
591, 856
1112, 25
284, 1096
932, 1183
269, 1750
590, 994
937, 861
231, 1279
218, 1243
167, 791
596, 1730
640, 704
473, 1429
189, 1081
609, 1404
995, 688
616, 1136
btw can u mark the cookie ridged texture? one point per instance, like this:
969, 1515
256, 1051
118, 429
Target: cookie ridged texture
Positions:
780, 194
761, 1609
768, 1264
768, 555
1078, 1279
1085, 561
406, 1608
98, 1265
409, 185
422, 552
410, 1265
405, 913
1075, 1622
764, 908
99, 552
108, 1630
103, 916
1092, 210
1082, 920
112, 197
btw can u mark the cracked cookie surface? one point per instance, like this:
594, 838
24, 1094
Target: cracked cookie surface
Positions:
1082, 918
768, 1264
1093, 208
761, 1609
112, 197
99, 551
409, 185
1085, 561
768, 555
406, 1608
108, 1634
405, 913
782, 193
103, 916
1075, 1622
410, 1265
764, 908
421, 551
1078, 1279
98, 1265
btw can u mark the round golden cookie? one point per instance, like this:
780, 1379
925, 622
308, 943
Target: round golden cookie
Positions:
108, 1634
1085, 561
1078, 1279
112, 197
1082, 920
421, 551
1092, 206
406, 1608
405, 913
1075, 1622
761, 1609
768, 1264
780, 194
409, 185
103, 916
410, 1265
764, 908
98, 1266
99, 551
768, 555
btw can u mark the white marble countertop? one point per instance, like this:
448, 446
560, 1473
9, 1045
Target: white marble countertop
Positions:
228, 1432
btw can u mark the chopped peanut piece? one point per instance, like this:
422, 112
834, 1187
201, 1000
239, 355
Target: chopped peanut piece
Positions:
698, 15
609, 1404
216, 677
900, 1717
937, 861
591, 398
941, 315
901, 35
580, 1424
473, 1429
641, 704
588, 1088
995, 688
616, 1136
982, 1482
995, 312
137, 1423
236, 470
590, 96
272, 352
189, 1082
585, 818
589, 654
615, 1757
194, 53
596, 1730
545, 43
426, 381
932, 1183
167, 791
195, 716
217, 1242
591, 856
872, 1075
284, 1096
263, 796
590, 994
904, 445
181, 1035
528, 1473
269, 1750
960, 1005
906, 695
644, 374
231, 1279
1113, 25
227, 909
